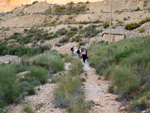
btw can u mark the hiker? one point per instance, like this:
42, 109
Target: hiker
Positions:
72, 50
78, 51
84, 55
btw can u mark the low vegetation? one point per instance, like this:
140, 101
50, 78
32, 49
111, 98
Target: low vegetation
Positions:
126, 63
67, 9
69, 92
13, 87
141, 30
132, 26
90, 31
21, 50
105, 25
28, 109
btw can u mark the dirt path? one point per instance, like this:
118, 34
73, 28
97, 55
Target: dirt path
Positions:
96, 90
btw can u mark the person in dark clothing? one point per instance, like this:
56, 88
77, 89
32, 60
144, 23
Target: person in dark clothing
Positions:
72, 50
84, 55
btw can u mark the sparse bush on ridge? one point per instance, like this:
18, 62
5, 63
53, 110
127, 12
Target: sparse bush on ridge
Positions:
132, 26
90, 31
105, 25
141, 30
64, 40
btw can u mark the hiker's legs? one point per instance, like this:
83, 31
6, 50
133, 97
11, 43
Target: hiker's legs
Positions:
71, 53
78, 55
84, 57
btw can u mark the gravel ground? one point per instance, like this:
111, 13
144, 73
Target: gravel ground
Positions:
96, 90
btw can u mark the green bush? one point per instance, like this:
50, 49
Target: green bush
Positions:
111, 89
141, 30
39, 74
124, 18
99, 67
132, 26
71, 33
105, 25
28, 109
69, 91
74, 29
65, 39
64, 93
126, 81
62, 31
126, 63
58, 78
76, 68
9, 86
15, 35
83, 79
49, 36
48, 61
137, 9
31, 90
22, 50
81, 26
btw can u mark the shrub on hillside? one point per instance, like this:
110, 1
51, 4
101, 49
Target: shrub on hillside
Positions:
39, 74
74, 29
28, 109
9, 87
105, 25
126, 81
137, 9
76, 67
141, 30
99, 67
71, 33
127, 65
54, 62
132, 26
62, 31
65, 39
49, 36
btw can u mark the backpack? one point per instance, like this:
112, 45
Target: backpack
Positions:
78, 51
71, 49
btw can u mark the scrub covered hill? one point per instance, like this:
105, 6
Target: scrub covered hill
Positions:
127, 64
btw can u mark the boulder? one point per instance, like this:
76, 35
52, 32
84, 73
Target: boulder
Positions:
122, 108
96, 103
23, 74
7, 62
37, 83
49, 81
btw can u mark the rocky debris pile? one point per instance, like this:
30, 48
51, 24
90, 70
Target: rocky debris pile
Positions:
8, 59
135, 33
130, 33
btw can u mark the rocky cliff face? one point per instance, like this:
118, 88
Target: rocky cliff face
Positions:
7, 5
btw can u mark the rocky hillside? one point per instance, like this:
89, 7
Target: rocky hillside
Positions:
7, 5
43, 24
45, 14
